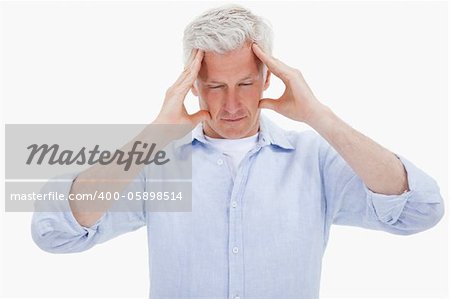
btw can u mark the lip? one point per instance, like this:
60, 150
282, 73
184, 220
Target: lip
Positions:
233, 120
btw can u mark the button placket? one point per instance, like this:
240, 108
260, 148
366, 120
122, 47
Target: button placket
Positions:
236, 257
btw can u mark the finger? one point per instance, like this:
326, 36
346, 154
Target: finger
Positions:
197, 63
191, 70
176, 94
269, 104
187, 78
277, 67
187, 66
191, 73
191, 57
200, 116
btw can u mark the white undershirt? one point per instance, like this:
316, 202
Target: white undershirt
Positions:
234, 149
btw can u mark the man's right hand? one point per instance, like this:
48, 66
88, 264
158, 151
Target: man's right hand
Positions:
98, 178
173, 110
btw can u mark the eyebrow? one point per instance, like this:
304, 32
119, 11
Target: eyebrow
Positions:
218, 82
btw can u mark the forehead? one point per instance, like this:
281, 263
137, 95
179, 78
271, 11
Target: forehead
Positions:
233, 65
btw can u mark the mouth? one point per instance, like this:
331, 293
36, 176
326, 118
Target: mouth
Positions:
232, 120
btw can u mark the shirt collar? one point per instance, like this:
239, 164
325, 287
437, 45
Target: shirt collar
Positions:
269, 134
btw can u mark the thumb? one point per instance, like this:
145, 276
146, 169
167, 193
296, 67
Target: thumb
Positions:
200, 116
269, 104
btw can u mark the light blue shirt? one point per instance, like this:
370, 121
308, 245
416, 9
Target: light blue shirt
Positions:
263, 235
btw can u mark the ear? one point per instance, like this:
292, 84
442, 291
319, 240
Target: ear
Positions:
267, 81
194, 88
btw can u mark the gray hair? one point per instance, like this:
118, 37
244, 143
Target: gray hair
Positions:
226, 28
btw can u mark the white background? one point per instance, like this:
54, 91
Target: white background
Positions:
381, 66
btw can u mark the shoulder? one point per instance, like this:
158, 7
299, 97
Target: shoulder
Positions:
292, 139
307, 138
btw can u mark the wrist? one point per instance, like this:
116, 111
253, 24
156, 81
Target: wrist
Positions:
317, 114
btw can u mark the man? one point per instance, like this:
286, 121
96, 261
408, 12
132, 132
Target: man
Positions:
263, 199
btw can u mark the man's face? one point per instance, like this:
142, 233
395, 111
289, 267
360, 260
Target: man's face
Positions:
230, 86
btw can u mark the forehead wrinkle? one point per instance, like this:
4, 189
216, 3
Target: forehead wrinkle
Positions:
219, 68
250, 76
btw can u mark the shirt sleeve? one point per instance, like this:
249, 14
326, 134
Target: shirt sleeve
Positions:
57, 231
350, 202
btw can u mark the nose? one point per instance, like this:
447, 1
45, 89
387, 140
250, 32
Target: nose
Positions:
232, 103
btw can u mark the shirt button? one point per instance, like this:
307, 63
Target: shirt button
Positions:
235, 250
234, 204
219, 162
236, 297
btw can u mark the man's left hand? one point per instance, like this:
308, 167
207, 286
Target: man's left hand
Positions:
297, 102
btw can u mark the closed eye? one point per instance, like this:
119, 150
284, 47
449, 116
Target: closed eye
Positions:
215, 87
245, 84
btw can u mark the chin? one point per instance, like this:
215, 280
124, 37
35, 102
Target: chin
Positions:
233, 130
